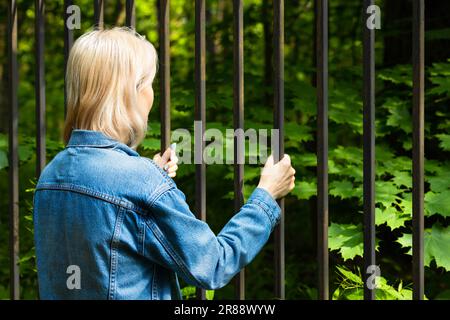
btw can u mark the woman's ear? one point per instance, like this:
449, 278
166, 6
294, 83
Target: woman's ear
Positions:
145, 100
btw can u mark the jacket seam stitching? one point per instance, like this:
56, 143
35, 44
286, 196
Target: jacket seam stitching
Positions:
96, 194
164, 174
142, 237
154, 286
158, 193
114, 254
265, 209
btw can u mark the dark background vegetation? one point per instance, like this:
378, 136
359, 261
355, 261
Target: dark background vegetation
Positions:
393, 137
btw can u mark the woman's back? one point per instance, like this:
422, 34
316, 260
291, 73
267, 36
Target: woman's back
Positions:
87, 206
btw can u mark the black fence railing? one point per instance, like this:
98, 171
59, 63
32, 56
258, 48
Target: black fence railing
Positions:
13, 151
418, 56
238, 111
321, 15
369, 152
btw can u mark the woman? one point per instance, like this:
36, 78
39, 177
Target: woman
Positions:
110, 224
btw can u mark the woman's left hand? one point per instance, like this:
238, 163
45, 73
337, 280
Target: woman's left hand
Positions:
168, 162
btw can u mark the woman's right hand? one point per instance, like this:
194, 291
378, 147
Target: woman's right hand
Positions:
277, 179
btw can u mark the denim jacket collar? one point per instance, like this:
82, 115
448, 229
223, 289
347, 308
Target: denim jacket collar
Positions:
97, 139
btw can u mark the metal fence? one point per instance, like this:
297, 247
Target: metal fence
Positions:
321, 34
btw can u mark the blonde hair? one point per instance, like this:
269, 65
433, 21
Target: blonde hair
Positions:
106, 69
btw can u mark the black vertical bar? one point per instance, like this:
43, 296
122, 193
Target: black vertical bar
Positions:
68, 42
238, 117
278, 39
130, 20
368, 149
40, 85
164, 56
13, 152
314, 48
322, 146
418, 57
99, 14
200, 110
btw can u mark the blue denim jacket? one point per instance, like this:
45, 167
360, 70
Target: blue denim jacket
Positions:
110, 224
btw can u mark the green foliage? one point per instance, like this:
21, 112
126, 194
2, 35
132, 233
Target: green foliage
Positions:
189, 292
438, 203
437, 245
399, 116
394, 180
440, 78
351, 287
347, 239
399, 75
444, 141
392, 217
304, 190
3, 151
345, 163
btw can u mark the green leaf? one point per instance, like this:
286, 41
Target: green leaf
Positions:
209, 294
25, 152
250, 173
387, 292
405, 204
4, 292
343, 189
444, 141
345, 101
351, 287
399, 116
400, 74
397, 163
347, 239
154, 129
438, 203
347, 274
305, 190
151, 144
406, 241
437, 245
298, 133
349, 294
442, 85
402, 179
440, 68
304, 160
407, 144
433, 166
439, 183
352, 171
188, 292
393, 218
3, 159
386, 193
347, 154
3, 141
305, 99
29, 255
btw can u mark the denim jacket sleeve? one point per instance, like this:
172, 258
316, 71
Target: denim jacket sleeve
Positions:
177, 240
